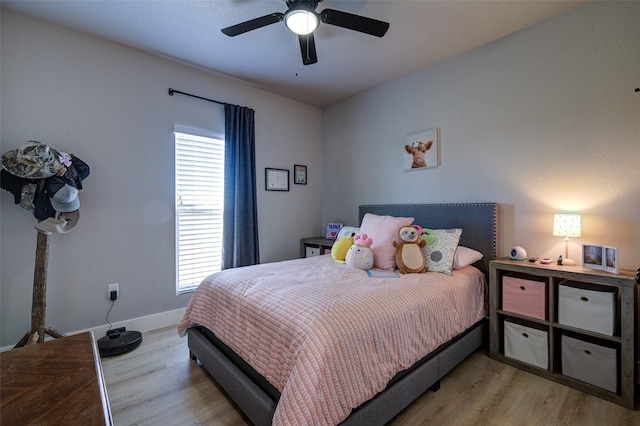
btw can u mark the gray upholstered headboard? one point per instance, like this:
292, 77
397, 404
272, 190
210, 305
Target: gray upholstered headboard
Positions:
479, 223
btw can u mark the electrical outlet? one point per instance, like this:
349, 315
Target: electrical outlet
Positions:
113, 287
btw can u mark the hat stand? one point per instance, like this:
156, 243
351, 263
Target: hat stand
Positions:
39, 298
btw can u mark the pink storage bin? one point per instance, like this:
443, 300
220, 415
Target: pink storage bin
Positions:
524, 297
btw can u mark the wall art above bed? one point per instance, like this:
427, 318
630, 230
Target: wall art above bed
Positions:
420, 150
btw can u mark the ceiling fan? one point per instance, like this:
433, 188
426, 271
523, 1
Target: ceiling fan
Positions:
302, 19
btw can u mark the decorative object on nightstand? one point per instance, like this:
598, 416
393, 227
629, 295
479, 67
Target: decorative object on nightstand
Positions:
566, 225
333, 229
592, 256
517, 253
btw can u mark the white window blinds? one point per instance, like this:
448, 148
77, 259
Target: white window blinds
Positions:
199, 206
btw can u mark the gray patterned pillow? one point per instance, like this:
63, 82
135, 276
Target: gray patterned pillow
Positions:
440, 248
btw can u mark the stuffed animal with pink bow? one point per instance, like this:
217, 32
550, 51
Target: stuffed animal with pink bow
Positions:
360, 255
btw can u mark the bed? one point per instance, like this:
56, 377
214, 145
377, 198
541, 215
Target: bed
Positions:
312, 363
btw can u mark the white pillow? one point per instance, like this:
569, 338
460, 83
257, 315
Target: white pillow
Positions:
440, 249
465, 256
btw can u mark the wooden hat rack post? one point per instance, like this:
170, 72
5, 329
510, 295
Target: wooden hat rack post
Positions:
39, 298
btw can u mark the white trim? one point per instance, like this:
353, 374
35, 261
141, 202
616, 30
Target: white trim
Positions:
142, 324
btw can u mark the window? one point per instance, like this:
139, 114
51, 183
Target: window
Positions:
199, 204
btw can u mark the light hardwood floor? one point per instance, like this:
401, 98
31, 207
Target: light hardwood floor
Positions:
157, 384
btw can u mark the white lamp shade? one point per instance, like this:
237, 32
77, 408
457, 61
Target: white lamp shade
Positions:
566, 225
301, 21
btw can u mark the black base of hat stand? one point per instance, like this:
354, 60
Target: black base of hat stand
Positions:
39, 300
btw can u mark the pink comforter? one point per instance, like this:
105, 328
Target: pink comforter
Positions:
326, 335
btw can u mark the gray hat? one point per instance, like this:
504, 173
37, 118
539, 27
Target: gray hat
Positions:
61, 224
33, 160
65, 199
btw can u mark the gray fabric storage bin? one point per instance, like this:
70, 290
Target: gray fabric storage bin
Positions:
526, 344
590, 363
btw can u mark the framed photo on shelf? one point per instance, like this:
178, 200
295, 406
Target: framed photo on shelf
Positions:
611, 260
333, 229
420, 150
299, 174
276, 179
592, 256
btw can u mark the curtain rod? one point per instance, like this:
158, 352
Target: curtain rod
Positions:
172, 91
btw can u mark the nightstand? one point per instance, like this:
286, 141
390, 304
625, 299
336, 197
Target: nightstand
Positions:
569, 324
315, 246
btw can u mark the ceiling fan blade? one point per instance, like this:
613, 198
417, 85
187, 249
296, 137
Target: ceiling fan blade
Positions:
354, 22
308, 49
253, 24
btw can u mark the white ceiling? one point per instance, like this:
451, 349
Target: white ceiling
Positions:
421, 33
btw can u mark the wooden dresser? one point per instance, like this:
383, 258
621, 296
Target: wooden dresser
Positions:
55, 382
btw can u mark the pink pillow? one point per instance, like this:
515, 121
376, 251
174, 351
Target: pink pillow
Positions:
383, 230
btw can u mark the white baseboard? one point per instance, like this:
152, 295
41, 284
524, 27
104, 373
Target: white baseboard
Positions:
142, 324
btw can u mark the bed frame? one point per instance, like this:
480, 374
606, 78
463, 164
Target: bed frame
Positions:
258, 399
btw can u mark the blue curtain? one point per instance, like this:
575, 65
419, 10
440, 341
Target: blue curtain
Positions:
240, 228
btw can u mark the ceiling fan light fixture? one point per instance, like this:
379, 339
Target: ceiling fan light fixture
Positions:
301, 21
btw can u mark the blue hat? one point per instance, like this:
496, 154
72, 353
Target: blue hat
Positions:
65, 199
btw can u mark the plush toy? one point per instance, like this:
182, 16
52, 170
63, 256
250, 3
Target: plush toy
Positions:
409, 257
428, 236
360, 255
340, 248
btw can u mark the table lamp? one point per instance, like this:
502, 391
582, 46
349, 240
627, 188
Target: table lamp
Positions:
566, 225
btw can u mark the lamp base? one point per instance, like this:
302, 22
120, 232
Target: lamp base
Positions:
569, 262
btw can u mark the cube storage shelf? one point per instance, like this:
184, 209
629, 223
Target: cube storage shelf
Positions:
315, 246
565, 322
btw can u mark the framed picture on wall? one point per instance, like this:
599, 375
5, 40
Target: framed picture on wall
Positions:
276, 179
611, 260
420, 150
299, 174
592, 256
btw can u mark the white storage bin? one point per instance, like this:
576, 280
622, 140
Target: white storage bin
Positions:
313, 251
590, 363
587, 309
526, 344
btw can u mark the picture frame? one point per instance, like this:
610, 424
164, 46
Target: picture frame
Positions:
611, 263
420, 150
299, 174
276, 179
592, 256
333, 229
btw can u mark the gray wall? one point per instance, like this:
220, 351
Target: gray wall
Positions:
108, 105
542, 121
